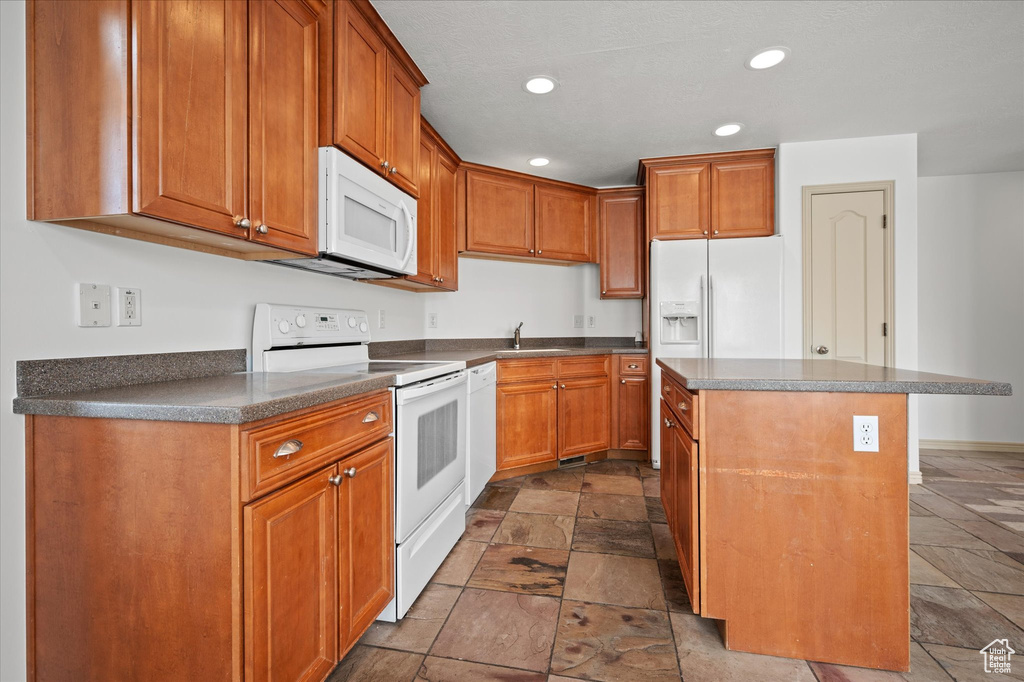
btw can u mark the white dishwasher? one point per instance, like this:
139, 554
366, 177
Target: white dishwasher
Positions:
481, 462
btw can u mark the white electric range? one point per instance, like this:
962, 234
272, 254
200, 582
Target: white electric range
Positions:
430, 428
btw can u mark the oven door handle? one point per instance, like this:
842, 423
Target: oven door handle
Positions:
405, 394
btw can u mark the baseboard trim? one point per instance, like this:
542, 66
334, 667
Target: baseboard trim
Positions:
914, 478
977, 445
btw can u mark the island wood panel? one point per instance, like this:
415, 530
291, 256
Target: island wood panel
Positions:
677, 201
807, 541
621, 243
584, 416
527, 423
116, 591
743, 198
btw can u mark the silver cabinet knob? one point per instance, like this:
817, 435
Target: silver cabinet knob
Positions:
821, 350
622, 381
335, 480
384, 165
288, 448
441, 280
262, 229
540, 251
684, 407
350, 472
563, 386
555, 386
531, 250
667, 389
705, 231
394, 169
716, 231
241, 222
603, 293
669, 423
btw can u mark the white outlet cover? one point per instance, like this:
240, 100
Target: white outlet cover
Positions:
865, 433
432, 320
93, 305
591, 321
380, 319
129, 307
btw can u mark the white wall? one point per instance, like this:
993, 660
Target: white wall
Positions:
971, 300
892, 157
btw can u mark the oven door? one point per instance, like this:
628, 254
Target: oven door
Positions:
430, 462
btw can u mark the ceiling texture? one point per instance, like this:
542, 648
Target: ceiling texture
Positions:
647, 78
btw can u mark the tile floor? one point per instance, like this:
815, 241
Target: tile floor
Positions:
571, 575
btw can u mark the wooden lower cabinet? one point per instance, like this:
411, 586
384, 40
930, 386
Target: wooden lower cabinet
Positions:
584, 416
684, 501
527, 423
668, 467
632, 415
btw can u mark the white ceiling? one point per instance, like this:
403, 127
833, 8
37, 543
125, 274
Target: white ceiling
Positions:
648, 78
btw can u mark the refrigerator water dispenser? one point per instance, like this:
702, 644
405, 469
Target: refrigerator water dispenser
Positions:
680, 322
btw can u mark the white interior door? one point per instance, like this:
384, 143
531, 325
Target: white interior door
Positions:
847, 297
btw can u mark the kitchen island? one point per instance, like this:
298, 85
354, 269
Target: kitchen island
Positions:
793, 540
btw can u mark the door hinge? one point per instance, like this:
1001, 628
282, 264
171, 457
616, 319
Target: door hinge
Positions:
885, 329
885, 221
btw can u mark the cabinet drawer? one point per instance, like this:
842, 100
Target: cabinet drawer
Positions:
526, 370
684, 405
583, 366
281, 452
633, 365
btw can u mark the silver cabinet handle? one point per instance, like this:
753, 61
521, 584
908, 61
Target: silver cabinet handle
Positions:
262, 229
243, 223
288, 448
634, 366
684, 407
350, 472
371, 416
335, 480
821, 350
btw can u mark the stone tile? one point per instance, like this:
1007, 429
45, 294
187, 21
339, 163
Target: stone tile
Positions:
923, 573
370, 664
976, 569
615, 485
615, 467
496, 498
536, 530
830, 672
997, 536
923, 667
560, 678
512, 568
990, 476
616, 507
940, 506
702, 656
965, 665
416, 632
447, 670
516, 482
501, 628
647, 471
601, 642
918, 510
1009, 605
481, 524
655, 511
567, 480
557, 502
652, 487
947, 463
675, 589
931, 530
460, 562
612, 579
664, 545
613, 537
941, 615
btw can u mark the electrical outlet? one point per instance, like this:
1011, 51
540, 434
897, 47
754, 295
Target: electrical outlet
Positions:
129, 307
93, 305
432, 320
577, 321
380, 319
865, 433
591, 321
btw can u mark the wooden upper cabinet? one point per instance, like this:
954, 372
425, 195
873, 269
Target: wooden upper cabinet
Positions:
728, 194
447, 243
426, 244
283, 124
499, 214
621, 245
677, 201
563, 223
403, 126
743, 198
189, 112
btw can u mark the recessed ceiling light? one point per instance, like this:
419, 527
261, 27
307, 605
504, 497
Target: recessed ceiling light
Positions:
539, 161
540, 85
766, 59
728, 129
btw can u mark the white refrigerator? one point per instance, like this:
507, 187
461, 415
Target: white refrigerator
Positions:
713, 298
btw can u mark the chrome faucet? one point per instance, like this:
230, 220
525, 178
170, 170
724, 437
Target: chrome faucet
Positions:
515, 337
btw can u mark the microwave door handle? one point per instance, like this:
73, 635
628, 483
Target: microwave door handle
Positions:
411, 230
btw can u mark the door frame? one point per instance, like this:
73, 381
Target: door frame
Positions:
887, 187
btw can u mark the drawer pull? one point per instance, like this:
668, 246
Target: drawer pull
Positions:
667, 389
350, 472
669, 423
335, 480
684, 407
634, 366
371, 416
288, 448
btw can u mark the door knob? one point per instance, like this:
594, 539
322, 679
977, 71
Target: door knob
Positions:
821, 350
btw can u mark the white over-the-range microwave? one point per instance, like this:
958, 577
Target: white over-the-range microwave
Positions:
367, 226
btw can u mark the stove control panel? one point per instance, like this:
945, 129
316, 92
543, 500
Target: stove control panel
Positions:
280, 326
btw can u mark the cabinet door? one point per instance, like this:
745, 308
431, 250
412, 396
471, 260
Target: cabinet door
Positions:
444, 210
189, 112
634, 417
564, 221
668, 466
499, 214
283, 124
677, 201
743, 198
584, 416
403, 127
527, 423
621, 242
426, 230
685, 498
360, 86
291, 617
367, 539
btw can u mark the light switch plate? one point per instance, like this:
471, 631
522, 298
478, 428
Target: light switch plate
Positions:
865, 433
93, 305
129, 307
577, 321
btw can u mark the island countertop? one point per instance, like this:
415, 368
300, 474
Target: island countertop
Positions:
834, 376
